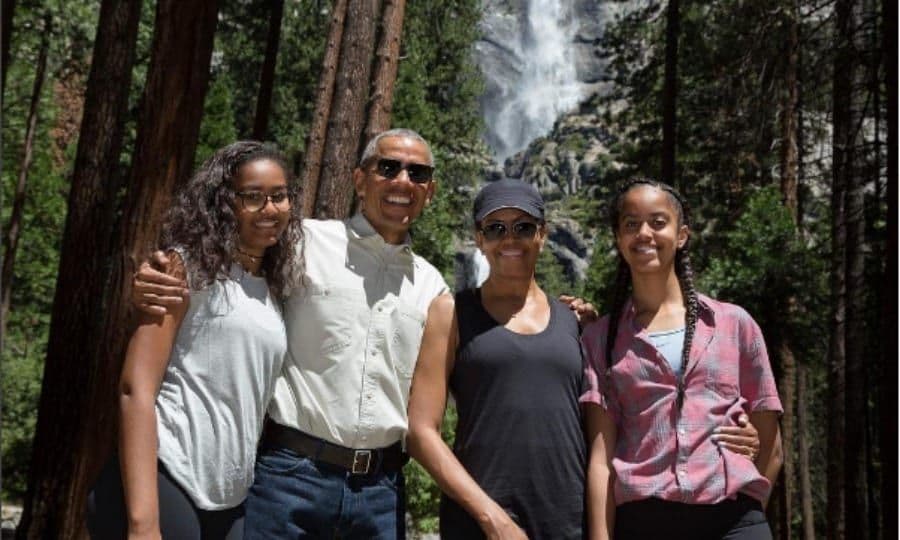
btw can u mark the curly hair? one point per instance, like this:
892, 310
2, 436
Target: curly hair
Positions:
202, 221
683, 271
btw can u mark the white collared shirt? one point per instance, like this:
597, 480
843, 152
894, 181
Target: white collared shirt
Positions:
354, 326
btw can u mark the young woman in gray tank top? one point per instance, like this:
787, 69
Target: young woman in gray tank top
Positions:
196, 381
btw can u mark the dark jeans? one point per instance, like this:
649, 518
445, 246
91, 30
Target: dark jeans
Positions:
296, 497
738, 519
179, 518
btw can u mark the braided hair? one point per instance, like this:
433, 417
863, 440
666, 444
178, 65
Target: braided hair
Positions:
683, 271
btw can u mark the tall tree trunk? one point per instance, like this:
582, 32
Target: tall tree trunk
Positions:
55, 482
803, 394
670, 95
267, 76
846, 509
786, 357
386, 68
789, 156
14, 227
6, 16
787, 387
889, 352
315, 145
849, 17
348, 109
806, 505
82, 418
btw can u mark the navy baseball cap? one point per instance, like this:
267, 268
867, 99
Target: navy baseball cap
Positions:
508, 193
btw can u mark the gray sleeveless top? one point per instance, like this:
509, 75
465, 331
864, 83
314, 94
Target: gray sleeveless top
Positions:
217, 385
519, 432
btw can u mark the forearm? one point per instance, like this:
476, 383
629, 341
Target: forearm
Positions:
428, 448
600, 500
771, 456
138, 460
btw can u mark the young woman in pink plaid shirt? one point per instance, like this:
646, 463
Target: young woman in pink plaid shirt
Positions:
681, 365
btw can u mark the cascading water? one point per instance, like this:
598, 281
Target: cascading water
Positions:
532, 77
538, 62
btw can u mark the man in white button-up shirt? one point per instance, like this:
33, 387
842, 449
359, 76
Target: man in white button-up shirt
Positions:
331, 456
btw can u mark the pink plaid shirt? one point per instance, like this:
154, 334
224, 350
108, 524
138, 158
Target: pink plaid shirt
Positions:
659, 453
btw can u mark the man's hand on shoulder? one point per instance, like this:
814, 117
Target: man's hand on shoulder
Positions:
584, 311
157, 287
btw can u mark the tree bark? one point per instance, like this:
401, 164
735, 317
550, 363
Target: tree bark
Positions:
386, 69
14, 227
806, 505
849, 136
786, 357
6, 16
82, 418
670, 96
889, 352
789, 162
348, 109
267, 75
845, 510
787, 389
315, 145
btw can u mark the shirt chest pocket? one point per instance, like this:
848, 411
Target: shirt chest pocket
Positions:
721, 370
403, 336
325, 322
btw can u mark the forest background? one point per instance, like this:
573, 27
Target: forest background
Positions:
777, 119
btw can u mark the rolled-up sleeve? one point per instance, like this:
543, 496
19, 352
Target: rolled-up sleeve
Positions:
593, 346
757, 381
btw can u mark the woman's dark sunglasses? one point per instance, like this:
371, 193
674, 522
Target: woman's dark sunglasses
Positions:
521, 230
390, 168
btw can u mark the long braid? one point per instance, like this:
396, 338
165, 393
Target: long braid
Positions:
683, 271
619, 297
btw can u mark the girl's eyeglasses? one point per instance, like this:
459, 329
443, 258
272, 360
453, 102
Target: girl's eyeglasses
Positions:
521, 230
254, 201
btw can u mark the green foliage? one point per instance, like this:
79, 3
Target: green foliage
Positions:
601, 271
33, 287
551, 275
217, 126
438, 84
304, 30
763, 252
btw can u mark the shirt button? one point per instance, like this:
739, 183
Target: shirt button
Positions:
681, 473
681, 431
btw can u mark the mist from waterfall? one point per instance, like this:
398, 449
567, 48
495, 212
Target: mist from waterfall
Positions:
545, 82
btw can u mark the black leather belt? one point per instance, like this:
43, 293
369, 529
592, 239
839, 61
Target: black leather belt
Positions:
359, 462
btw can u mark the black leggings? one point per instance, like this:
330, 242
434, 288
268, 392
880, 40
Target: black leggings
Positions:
179, 518
738, 519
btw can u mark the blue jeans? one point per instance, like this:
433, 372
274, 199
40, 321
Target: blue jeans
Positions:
296, 497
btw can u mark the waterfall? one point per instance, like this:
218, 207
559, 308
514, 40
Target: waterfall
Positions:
529, 61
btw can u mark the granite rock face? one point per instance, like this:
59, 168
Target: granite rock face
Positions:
542, 63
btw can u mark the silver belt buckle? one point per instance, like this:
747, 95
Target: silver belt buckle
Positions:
361, 461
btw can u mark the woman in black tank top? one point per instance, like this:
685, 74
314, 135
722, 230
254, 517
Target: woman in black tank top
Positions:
512, 360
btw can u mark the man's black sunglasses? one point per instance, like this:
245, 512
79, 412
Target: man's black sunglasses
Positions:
521, 230
390, 168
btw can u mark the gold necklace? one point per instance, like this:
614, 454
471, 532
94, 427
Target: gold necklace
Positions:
253, 258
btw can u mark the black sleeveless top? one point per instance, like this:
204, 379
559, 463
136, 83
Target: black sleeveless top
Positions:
519, 432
